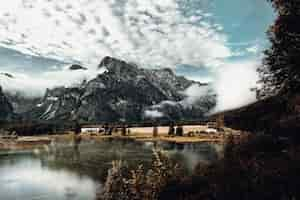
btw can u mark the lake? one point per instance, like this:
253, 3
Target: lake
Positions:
63, 171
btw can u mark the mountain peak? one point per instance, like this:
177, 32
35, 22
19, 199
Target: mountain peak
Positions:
108, 61
166, 71
77, 67
125, 91
7, 75
6, 109
115, 65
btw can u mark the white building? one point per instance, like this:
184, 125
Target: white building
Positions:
91, 130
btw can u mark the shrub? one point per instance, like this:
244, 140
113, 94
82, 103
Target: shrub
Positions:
140, 184
258, 168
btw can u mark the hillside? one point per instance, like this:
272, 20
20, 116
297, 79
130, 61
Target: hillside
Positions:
278, 115
123, 93
6, 109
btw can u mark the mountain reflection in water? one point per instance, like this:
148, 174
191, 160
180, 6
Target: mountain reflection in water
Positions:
75, 172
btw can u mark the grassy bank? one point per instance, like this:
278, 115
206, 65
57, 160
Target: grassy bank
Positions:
138, 134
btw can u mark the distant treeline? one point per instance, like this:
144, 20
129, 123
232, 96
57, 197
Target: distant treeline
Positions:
150, 123
48, 128
37, 128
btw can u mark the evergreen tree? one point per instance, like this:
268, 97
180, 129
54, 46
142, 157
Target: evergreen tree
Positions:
281, 67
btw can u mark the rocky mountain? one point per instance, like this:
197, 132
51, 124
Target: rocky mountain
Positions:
6, 109
77, 67
7, 75
124, 92
20, 103
18, 100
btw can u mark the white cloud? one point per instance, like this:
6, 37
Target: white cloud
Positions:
233, 85
35, 85
40, 179
253, 49
152, 32
201, 79
153, 114
194, 93
164, 103
148, 32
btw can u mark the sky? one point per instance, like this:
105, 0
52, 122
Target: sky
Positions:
200, 39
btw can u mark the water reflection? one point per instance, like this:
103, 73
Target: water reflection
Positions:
190, 154
25, 177
76, 171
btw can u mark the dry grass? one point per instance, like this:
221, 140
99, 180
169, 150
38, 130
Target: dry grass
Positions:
139, 134
123, 183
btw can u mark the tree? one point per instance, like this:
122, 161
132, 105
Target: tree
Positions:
155, 131
179, 131
281, 66
171, 131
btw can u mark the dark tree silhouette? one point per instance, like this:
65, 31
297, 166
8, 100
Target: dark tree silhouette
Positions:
155, 131
280, 71
179, 131
77, 129
171, 131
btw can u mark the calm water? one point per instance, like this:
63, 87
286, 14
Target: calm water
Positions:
63, 171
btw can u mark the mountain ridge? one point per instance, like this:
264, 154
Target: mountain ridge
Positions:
6, 109
122, 93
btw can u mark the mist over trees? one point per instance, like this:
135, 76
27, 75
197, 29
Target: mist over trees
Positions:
280, 71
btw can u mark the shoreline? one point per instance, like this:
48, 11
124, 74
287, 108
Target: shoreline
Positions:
35, 142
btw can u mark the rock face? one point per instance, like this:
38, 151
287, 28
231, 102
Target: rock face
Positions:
77, 67
21, 103
18, 100
6, 109
123, 92
7, 75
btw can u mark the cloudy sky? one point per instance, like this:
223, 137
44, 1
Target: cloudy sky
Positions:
197, 38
